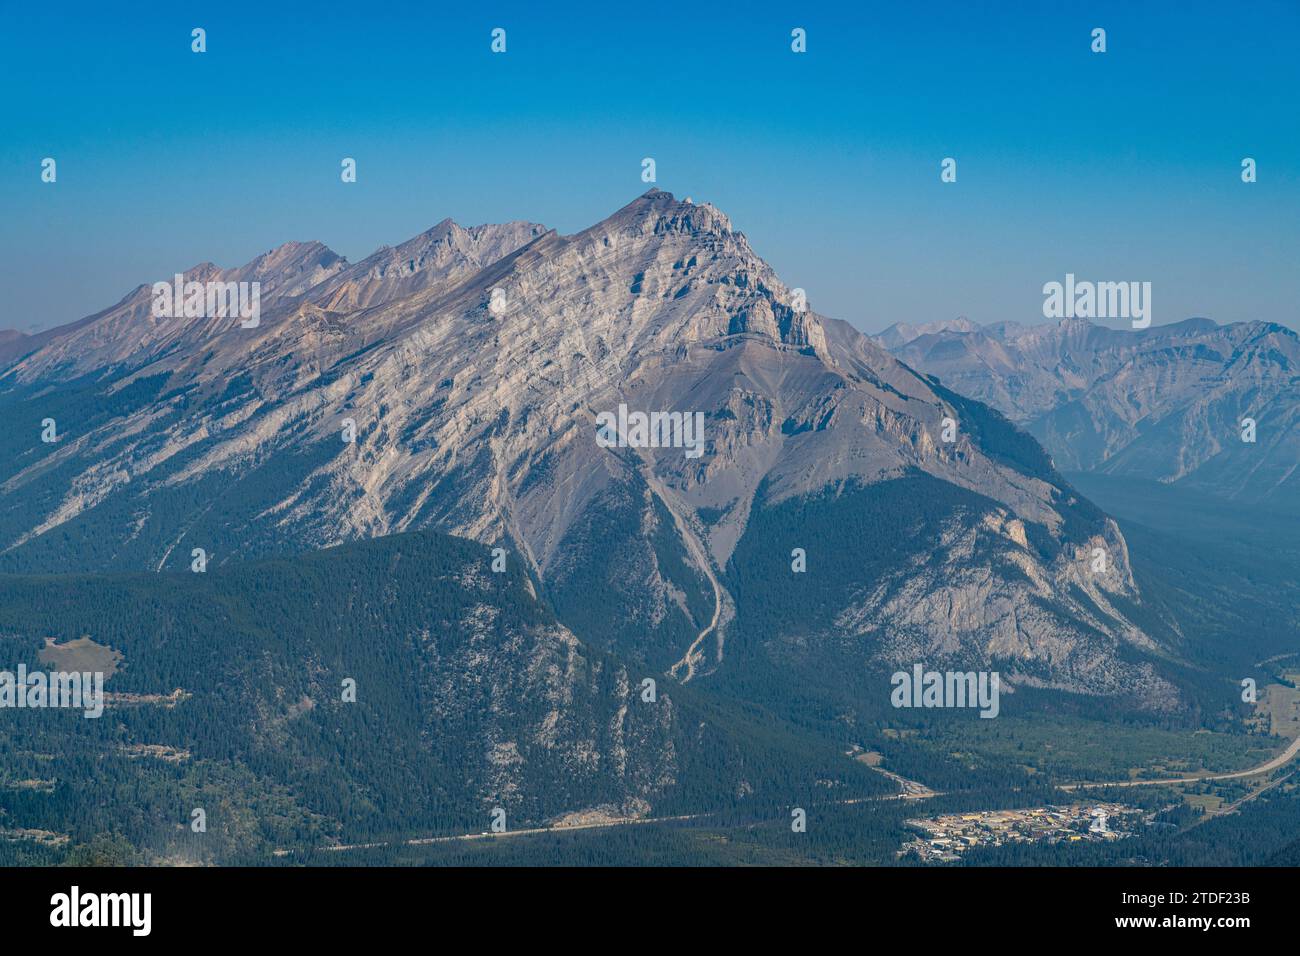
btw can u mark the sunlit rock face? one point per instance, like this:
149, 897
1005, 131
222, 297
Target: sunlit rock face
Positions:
470, 366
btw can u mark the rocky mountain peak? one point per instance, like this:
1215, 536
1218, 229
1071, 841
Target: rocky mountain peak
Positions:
445, 253
683, 261
295, 256
901, 333
657, 212
470, 369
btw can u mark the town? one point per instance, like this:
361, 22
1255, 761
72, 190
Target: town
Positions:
948, 837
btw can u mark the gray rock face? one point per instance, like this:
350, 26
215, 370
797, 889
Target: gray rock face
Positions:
445, 253
1165, 403
475, 364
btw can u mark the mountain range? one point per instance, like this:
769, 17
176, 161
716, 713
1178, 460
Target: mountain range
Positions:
1170, 403
472, 365
399, 476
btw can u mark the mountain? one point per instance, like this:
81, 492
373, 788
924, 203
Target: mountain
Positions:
128, 333
901, 333
11, 339
1163, 404
476, 366
445, 252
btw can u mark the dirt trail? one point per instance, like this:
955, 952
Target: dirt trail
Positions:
694, 655
699, 554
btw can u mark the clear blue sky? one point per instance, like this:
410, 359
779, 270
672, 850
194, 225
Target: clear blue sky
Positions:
1124, 165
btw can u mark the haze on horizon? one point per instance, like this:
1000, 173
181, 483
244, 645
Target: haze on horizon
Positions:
1122, 166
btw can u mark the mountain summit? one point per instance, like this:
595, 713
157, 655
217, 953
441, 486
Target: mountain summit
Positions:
459, 381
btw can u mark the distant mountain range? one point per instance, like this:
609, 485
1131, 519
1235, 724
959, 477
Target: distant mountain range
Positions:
1165, 403
473, 365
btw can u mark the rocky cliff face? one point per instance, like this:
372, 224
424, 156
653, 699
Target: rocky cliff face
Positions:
474, 366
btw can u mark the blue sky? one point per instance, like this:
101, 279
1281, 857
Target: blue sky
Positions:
1115, 166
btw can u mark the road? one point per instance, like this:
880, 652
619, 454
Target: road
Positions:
1267, 767
428, 841
923, 793
910, 790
